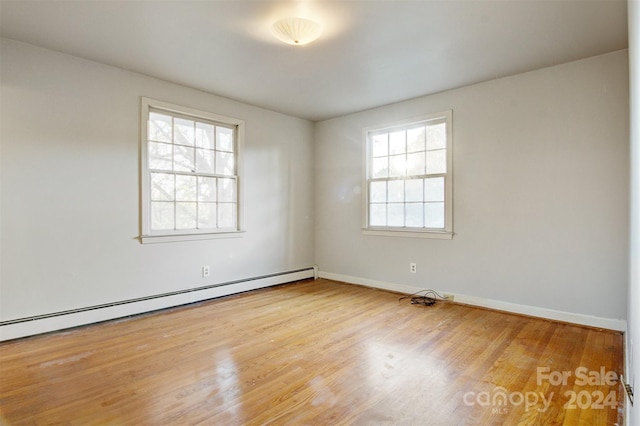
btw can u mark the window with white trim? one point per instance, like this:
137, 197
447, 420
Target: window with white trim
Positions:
190, 172
409, 178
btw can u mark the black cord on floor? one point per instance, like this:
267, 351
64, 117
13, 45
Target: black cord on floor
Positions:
428, 298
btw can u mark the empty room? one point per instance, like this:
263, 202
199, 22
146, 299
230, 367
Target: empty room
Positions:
319, 212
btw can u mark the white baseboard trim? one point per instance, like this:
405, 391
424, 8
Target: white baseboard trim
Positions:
534, 311
57, 321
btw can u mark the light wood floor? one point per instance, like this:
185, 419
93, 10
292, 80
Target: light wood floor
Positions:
321, 353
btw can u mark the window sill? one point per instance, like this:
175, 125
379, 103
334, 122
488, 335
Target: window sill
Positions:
440, 235
151, 239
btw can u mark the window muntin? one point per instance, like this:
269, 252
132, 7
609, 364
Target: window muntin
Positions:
190, 171
408, 176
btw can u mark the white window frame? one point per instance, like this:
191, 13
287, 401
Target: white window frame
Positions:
438, 233
147, 235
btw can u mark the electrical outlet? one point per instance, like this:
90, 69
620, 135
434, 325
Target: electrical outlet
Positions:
205, 271
448, 297
413, 268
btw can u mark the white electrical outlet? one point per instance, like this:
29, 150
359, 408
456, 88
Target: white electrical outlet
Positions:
205, 271
413, 268
448, 297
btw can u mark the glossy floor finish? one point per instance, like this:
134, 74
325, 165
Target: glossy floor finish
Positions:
321, 353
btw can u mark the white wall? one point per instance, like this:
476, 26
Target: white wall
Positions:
633, 320
70, 189
540, 193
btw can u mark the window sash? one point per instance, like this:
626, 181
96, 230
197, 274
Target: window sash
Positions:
409, 224
197, 213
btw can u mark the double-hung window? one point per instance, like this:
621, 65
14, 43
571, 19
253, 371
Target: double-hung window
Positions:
190, 163
409, 178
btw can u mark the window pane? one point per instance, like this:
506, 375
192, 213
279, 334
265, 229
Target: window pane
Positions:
397, 165
437, 161
413, 190
206, 189
204, 160
378, 215
224, 141
160, 156
162, 187
415, 139
184, 156
407, 172
380, 145
395, 214
416, 164
437, 136
204, 135
161, 215
207, 215
186, 215
226, 215
396, 191
184, 132
224, 163
398, 142
378, 192
434, 215
186, 188
380, 167
414, 215
226, 189
159, 127
434, 189
183, 159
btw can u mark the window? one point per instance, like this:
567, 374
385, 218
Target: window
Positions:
190, 163
409, 178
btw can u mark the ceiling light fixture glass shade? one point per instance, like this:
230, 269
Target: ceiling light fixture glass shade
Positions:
297, 31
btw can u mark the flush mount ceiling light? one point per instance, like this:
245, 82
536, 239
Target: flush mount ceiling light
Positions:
296, 31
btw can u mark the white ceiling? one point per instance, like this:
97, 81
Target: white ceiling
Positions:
371, 53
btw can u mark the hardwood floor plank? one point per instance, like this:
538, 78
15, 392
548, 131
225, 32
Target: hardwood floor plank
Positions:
313, 352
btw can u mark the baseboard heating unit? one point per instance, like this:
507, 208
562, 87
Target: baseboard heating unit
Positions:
37, 324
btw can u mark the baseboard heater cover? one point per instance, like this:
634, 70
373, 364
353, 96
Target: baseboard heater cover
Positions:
37, 324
